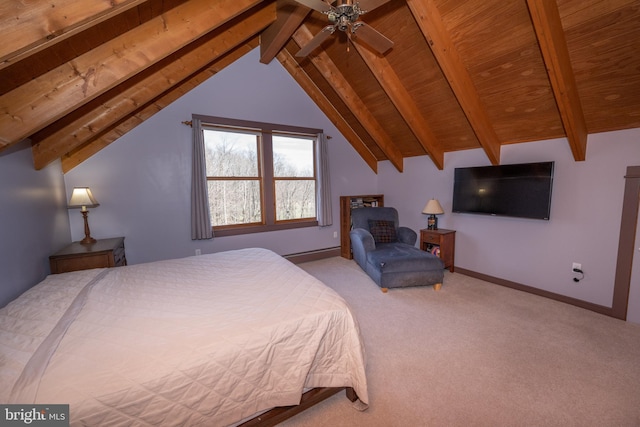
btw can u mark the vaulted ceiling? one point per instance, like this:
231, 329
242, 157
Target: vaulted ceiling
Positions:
462, 74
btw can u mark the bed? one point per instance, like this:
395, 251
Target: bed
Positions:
206, 340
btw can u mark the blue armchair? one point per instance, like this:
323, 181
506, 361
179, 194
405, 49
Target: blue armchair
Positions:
387, 252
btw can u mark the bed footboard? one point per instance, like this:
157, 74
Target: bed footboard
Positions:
308, 399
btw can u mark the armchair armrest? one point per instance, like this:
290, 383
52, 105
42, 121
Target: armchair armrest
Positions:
361, 243
407, 235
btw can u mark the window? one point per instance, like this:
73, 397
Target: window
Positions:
260, 177
294, 177
233, 176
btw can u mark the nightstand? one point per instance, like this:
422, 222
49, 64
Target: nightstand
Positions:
76, 256
444, 239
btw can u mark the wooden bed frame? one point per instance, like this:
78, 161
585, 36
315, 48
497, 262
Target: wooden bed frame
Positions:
308, 399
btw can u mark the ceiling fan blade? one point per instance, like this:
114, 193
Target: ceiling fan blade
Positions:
319, 5
369, 5
376, 40
316, 41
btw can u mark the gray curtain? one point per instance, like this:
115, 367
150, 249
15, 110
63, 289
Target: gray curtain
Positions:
323, 195
200, 215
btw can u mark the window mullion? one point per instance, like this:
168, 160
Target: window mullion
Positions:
268, 193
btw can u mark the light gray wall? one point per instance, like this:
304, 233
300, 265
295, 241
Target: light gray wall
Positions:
143, 184
142, 181
34, 220
585, 214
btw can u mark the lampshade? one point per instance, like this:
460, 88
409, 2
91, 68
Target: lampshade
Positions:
81, 197
433, 207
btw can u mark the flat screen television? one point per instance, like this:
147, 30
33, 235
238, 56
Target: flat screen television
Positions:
518, 190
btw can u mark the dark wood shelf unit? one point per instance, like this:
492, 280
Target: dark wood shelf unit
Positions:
347, 203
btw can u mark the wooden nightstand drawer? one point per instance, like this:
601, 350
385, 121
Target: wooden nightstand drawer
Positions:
431, 238
63, 265
101, 254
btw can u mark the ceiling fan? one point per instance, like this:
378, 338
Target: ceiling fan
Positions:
344, 17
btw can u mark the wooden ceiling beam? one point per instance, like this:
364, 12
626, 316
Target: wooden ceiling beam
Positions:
273, 39
403, 101
350, 97
30, 27
430, 22
124, 103
553, 45
303, 79
36, 104
82, 153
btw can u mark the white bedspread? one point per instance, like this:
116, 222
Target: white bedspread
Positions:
204, 340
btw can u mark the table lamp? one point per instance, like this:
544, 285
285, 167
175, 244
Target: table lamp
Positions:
82, 198
433, 208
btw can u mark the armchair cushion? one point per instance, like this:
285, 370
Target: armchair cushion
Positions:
383, 231
399, 257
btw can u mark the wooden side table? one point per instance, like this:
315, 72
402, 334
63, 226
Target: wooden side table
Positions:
444, 239
76, 256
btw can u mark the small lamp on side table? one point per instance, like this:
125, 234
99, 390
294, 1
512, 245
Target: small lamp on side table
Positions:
433, 208
82, 198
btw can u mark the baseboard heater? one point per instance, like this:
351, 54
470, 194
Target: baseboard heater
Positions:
313, 255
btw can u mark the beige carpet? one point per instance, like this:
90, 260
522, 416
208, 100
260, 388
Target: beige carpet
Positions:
478, 354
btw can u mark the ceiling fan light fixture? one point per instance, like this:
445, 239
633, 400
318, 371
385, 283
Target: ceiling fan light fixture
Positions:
344, 17
355, 27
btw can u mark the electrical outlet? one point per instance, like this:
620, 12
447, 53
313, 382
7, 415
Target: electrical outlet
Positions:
576, 266
198, 252
335, 234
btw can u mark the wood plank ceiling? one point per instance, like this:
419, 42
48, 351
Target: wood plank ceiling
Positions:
463, 74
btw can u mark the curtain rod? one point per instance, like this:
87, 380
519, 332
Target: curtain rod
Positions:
190, 124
